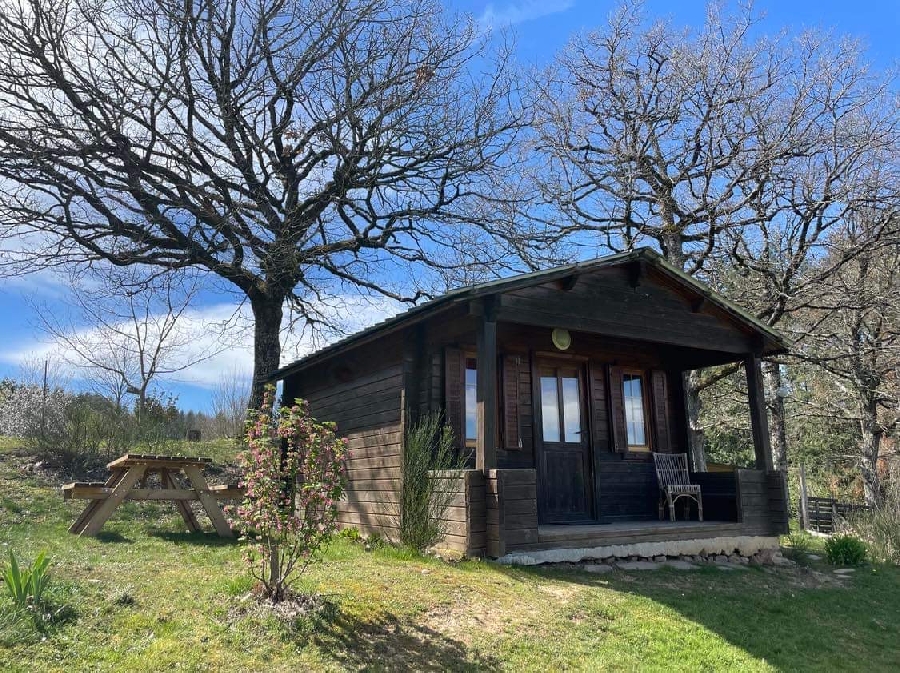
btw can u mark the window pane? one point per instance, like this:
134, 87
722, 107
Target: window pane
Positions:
550, 408
571, 410
470, 401
634, 410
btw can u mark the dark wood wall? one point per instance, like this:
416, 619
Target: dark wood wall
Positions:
512, 517
466, 519
762, 501
361, 393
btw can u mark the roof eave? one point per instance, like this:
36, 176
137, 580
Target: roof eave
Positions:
424, 311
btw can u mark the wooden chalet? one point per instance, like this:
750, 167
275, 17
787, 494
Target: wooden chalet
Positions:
559, 384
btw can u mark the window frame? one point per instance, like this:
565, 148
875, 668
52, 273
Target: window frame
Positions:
558, 368
469, 443
647, 447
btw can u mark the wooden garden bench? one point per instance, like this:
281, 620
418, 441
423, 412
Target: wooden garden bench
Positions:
128, 481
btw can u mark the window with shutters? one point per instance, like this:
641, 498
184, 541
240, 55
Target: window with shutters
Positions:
634, 398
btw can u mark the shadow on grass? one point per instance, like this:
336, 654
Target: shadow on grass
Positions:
21, 626
389, 643
792, 618
200, 538
111, 536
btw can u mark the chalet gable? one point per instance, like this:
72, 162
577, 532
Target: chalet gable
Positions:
636, 300
633, 295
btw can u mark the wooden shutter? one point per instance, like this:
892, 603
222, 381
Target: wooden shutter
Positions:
617, 409
454, 394
512, 418
599, 406
660, 411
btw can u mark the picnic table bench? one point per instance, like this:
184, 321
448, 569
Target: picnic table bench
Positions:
128, 481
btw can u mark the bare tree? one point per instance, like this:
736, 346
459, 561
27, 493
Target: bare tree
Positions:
126, 331
289, 146
851, 333
230, 401
48, 371
688, 140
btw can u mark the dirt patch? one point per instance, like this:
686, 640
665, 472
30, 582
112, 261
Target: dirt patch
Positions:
810, 578
464, 616
472, 613
288, 611
561, 592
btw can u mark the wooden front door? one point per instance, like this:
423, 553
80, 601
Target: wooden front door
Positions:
564, 462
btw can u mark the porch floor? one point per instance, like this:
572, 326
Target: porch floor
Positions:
631, 532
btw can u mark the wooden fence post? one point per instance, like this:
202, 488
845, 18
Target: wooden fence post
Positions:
804, 503
834, 515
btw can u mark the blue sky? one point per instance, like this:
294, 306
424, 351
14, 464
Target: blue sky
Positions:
541, 27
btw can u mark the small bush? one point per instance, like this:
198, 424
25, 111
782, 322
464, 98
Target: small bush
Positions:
800, 542
880, 527
845, 550
375, 541
425, 497
351, 534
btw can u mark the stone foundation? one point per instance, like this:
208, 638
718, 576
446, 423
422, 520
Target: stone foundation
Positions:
743, 546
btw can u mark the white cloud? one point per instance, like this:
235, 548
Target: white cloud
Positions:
522, 11
44, 283
18, 272
234, 349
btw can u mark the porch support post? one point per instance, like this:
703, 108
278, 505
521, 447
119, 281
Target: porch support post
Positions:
759, 421
486, 387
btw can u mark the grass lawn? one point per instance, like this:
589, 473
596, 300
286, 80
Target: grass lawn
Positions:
146, 597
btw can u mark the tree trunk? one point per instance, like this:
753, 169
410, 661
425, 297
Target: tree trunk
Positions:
267, 314
777, 421
672, 245
870, 446
693, 405
275, 582
141, 404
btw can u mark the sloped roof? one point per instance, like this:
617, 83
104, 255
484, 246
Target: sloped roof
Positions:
464, 294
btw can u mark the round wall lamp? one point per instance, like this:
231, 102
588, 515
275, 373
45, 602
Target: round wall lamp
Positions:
561, 338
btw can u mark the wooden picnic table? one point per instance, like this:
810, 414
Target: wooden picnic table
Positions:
128, 481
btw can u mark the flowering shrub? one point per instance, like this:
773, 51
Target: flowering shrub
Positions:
64, 429
26, 413
294, 475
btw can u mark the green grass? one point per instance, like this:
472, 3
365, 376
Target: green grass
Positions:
147, 597
222, 451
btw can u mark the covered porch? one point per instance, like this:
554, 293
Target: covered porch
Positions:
609, 485
562, 385
502, 521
